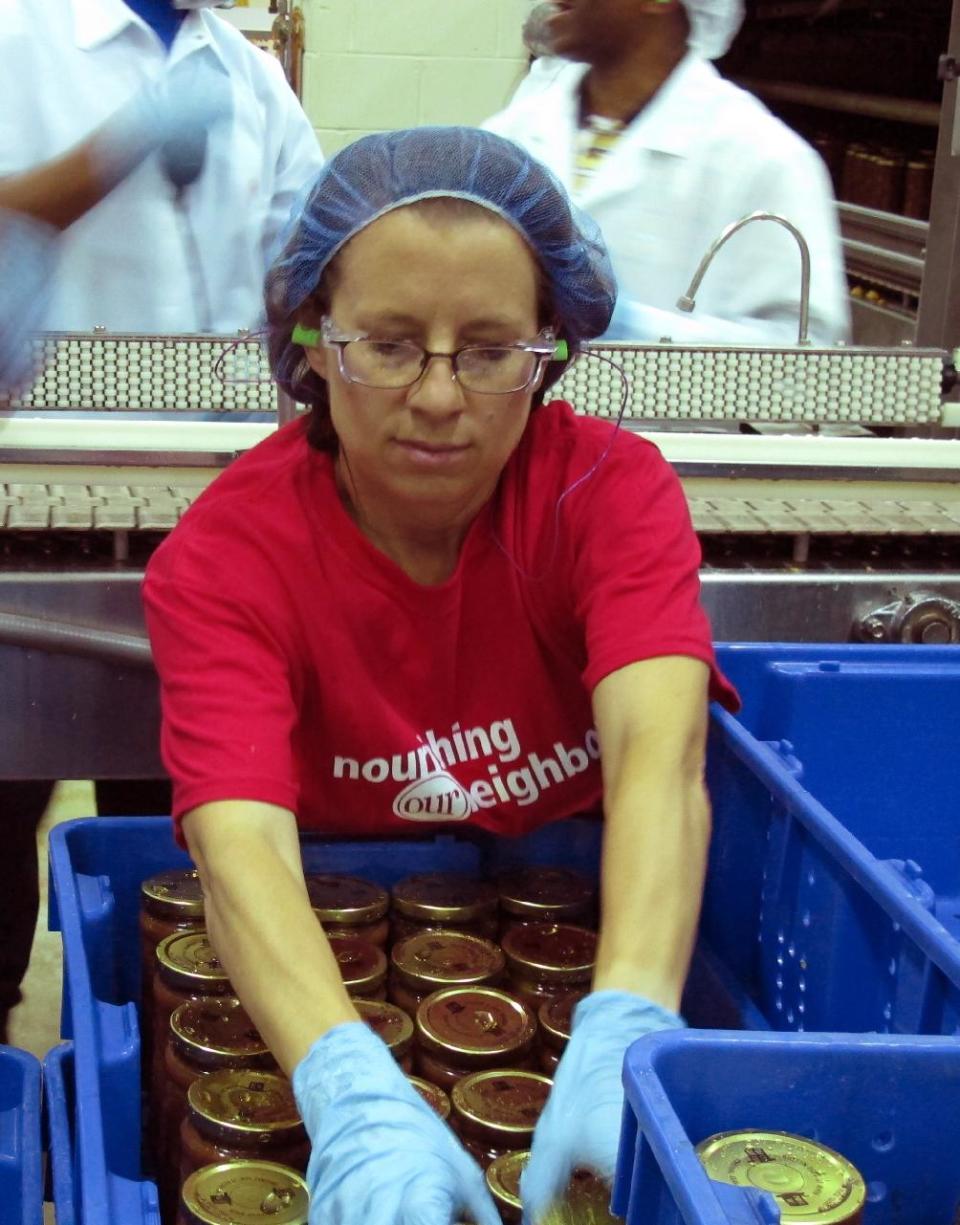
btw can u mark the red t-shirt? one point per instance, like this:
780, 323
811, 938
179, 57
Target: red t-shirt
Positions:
300, 666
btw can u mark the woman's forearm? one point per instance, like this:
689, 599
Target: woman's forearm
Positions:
275, 952
657, 832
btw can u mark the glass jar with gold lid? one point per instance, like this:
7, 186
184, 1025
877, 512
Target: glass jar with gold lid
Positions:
434, 1096
431, 960
545, 895
443, 899
363, 966
187, 968
810, 1182
207, 1035
244, 1193
503, 1182
495, 1112
392, 1025
469, 1029
169, 902
555, 1017
233, 1116
350, 906
548, 959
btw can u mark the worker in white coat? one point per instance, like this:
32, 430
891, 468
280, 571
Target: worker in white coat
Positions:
150, 156
664, 154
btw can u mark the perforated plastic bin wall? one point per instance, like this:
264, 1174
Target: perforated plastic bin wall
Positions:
21, 1174
889, 1104
834, 871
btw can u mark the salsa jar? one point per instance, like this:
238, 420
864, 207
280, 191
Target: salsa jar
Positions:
363, 967
545, 895
495, 1112
434, 1096
169, 902
392, 1025
546, 959
350, 906
443, 899
434, 959
187, 968
234, 1116
470, 1029
244, 1193
809, 1181
503, 1182
555, 1017
211, 1034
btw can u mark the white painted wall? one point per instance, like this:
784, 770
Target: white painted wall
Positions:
372, 65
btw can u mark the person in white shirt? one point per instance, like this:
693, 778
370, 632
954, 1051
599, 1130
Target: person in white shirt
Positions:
664, 154
150, 157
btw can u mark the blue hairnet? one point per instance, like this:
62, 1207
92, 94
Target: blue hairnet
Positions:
380, 173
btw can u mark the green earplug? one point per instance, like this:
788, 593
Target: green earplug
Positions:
561, 351
308, 337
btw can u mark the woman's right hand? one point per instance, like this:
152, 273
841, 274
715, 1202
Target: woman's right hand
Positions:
379, 1152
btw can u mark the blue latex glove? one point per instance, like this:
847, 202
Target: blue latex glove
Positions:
27, 262
580, 1125
380, 1154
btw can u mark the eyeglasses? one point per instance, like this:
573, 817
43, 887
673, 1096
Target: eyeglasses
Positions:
394, 364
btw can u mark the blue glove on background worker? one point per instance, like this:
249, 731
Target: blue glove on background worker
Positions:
580, 1125
27, 258
380, 1154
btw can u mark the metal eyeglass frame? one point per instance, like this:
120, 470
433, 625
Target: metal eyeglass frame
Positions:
548, 349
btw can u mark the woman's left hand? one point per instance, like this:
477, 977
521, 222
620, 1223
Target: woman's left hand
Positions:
580, 1126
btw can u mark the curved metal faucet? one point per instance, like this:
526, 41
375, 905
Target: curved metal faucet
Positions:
688, 301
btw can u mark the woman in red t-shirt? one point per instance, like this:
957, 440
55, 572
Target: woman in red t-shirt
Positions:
438, 599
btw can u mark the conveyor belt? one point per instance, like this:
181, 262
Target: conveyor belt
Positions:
78, 507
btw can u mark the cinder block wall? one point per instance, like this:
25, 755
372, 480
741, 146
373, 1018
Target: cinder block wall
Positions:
372, 65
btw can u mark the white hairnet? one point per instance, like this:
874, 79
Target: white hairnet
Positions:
713, 25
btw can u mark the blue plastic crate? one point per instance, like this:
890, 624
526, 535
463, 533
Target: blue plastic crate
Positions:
831, 792
889, 1104
21, 1171
59, 1106
96, 868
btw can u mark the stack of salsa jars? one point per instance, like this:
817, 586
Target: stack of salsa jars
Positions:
470, 983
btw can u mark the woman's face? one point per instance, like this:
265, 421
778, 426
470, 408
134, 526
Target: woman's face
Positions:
431, 450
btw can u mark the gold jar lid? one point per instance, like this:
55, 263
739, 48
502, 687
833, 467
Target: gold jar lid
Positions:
556, 1018
444, 897
213, 1029
244, 1106
503, 1180
475, 1025
439, 958
346, 900
809, 1181
176, 894
245, 1193
363, 966
585, 1202
388, 1022
501, 1106
545, 892
433, 1095
187, 960
551, 952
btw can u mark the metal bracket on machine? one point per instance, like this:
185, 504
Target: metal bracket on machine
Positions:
919, 617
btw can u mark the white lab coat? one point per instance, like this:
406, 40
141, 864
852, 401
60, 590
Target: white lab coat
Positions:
70, 64
701, 155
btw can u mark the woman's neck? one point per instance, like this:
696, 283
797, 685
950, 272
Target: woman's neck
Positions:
425, 547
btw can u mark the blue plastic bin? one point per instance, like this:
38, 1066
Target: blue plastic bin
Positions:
21, 1170
832, 791
891, 1105
59, 1105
